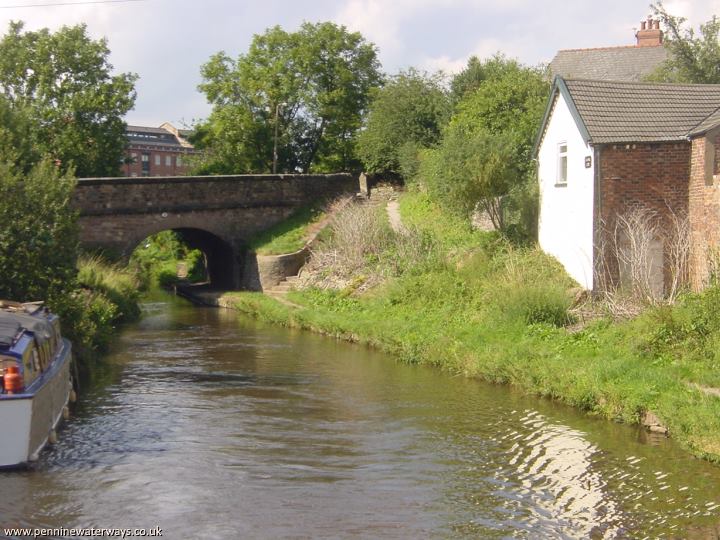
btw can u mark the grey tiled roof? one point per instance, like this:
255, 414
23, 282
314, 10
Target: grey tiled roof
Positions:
612, 63
149, 130
615, 111
710, 122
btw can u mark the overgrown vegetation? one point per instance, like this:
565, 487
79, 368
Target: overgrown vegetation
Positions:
164, 259
472, 303
39, 259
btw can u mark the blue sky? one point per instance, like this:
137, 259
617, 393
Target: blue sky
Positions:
166, 41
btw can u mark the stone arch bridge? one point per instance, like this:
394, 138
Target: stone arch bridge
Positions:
216, 214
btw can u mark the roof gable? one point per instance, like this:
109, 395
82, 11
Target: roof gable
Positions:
560, 89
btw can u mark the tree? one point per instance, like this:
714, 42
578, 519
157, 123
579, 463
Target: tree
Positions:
410, 109
692, 58
62, 83
477, 72
485, 158
512, 102
471, 171
38, 233
17, 145
311, 87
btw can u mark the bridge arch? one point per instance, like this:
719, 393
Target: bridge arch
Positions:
219, 254
217, 214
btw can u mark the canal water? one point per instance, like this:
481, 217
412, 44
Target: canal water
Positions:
210, 425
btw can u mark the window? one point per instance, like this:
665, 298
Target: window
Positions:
146, 158
168, 161
178, 161
562, 165
157, 159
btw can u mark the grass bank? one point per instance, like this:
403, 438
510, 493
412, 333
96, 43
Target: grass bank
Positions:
287, 236
471, 304
106, 296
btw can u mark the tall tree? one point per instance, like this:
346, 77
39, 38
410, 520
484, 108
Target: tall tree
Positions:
693, 58
410, 110
310, 87
62, 81
484, 159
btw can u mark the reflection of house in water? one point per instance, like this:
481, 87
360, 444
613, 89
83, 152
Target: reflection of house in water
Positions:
554, 466
160, 151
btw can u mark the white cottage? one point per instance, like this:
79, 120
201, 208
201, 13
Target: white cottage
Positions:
607, 146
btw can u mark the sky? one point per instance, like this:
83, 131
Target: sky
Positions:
166, 41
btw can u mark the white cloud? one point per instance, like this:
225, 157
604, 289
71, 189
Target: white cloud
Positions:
166, 41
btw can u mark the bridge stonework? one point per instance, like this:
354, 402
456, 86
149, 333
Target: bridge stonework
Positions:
216, 214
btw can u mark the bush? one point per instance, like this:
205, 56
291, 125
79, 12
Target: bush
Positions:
38, 234
120, 286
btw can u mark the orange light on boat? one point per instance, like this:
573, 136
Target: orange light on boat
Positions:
12, 380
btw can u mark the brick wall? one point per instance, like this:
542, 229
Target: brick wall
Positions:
648, 176
704, 208
158, 162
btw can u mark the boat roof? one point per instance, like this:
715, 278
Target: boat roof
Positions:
12, 322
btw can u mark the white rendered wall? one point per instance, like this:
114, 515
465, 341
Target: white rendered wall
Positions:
566, 212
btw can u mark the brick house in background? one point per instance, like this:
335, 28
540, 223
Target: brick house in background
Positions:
625, 63
609, 146
158, 151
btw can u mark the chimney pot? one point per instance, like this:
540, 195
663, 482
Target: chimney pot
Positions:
649, 34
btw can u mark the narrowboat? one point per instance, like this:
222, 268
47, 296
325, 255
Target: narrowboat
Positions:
35, 381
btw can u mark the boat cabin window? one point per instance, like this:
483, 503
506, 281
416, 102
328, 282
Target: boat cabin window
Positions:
31, 363
7, 361
45, 354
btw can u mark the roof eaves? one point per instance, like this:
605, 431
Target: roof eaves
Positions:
559, 87
702, 128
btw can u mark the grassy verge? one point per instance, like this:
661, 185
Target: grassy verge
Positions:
474, 305
289, 235
107, 295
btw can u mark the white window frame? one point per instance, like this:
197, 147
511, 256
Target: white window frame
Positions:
168, 160
561, 178
157, 159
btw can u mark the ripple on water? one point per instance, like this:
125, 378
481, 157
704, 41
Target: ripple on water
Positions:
210, 427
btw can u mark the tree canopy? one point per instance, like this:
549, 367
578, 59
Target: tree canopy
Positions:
484, 159
312, 86
511, 101
38, 233
693, 58
61, 83
411, 109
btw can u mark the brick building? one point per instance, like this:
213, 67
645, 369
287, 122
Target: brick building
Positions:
160, 151
608, 147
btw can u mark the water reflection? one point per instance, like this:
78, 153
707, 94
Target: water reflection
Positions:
211, 427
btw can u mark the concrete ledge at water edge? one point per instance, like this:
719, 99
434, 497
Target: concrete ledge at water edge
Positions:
262, 272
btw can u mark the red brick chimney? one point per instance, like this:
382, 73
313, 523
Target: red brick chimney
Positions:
649, 34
